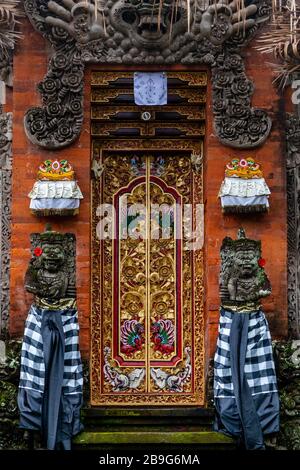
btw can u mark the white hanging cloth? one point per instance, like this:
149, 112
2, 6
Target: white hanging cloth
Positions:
150, 88
55, 190
244, 187
48, 203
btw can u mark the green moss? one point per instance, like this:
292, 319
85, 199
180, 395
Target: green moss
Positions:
8, 394
158, 437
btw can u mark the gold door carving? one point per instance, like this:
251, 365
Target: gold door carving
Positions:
147, 322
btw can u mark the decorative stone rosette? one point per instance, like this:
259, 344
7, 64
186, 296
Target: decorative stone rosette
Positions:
244, 189
56, 192
140, 32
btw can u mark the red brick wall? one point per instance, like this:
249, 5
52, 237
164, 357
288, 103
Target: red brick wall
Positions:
30, 66
271, 228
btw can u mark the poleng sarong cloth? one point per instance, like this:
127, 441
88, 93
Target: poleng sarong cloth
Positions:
51, 377
245, 385
150, 88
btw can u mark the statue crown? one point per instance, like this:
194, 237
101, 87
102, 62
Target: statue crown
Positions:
52, 237
242, 243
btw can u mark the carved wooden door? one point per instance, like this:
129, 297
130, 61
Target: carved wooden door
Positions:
147, 276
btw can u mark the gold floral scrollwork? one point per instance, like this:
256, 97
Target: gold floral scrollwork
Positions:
147, 287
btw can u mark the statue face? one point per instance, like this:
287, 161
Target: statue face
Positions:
146, 23
246, 262
52, 257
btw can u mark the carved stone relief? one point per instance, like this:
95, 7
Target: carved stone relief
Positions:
10, 12
6, 69
51, 272
134, 32
5, 216
242, 279
6, 141
293, 200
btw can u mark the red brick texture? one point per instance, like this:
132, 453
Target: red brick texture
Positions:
30, 65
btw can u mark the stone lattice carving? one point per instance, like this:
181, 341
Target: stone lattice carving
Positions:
5, 216
51, 273
293, 199
133, 32
242, 278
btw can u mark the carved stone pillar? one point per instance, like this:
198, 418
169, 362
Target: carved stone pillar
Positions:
293, 195
5, 215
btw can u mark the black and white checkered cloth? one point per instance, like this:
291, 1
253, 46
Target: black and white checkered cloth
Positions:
259, 365
32, 374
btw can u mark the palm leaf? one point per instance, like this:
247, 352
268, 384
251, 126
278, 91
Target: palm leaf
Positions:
282, 39
10, 12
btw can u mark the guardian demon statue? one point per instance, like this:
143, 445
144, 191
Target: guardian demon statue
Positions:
50, 389
245, 386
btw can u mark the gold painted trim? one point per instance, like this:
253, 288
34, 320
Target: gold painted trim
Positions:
235, 307
119, 147
196, 129
148, 297
188, 78
194, 96
61, 304
106, 112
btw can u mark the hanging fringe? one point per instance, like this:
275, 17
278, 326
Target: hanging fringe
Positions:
54, 212
244, 209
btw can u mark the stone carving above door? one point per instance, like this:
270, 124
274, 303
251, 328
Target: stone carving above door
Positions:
135, 32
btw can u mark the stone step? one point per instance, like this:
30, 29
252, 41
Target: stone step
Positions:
95, 439
142, 416
116, 427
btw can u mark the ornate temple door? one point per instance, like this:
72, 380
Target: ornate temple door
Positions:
147, 322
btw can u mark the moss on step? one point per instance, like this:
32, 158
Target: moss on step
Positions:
144, 437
